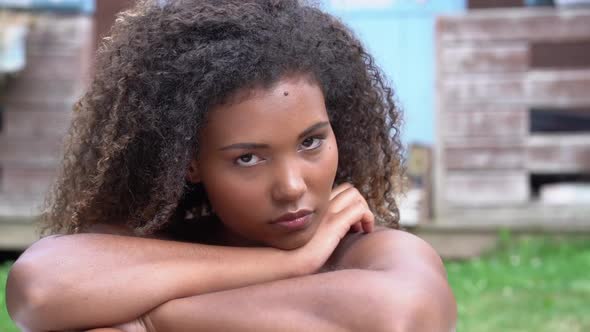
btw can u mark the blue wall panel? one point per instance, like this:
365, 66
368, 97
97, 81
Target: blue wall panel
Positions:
82, 6
401, 38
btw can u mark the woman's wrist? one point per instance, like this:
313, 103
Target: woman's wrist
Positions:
304, 261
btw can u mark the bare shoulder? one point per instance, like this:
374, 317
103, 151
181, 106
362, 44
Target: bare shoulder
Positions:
414, 272
386, 249
104, 229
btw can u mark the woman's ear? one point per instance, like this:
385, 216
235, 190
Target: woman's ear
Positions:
192, 173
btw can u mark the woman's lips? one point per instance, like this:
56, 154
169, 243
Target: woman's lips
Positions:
295, 221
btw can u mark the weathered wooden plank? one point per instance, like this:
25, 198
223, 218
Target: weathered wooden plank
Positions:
58, 106
558, 154
495, 121
485, 58
438, 202
502, 188
533, 215
484, 89
458, 245
30, 151
557, 88
59, 34
20, 205
26, 180
35, 124
17, 236
53, 67
21, 90
486, 142
484, 158
515, 24
482, 107
537, 153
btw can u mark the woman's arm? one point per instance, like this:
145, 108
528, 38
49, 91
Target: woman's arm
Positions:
344, 300
89, 280
390, 281
72, 281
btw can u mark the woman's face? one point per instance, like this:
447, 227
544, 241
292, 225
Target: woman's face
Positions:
270, 154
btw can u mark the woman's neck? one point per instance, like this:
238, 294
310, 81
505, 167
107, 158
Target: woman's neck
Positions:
226, 237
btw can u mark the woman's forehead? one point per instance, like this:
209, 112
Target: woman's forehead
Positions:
288, 107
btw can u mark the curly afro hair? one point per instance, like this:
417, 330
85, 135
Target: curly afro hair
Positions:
167, 63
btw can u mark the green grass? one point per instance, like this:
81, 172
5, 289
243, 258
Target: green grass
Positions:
6, 324
531, 284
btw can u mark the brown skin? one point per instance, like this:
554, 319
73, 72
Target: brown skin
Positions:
367, 283
373, 288
248, 187
268, 155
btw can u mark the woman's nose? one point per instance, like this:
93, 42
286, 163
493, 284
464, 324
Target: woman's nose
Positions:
289, 184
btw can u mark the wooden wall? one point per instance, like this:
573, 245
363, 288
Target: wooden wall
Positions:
35, 111
492, 70
36, 108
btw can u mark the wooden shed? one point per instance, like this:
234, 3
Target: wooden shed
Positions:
36, 103
513, 117
35, 108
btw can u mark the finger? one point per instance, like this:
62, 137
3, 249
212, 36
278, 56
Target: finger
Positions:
351, 215
368, 221
357, 227
363, 216
348, 197
340, 188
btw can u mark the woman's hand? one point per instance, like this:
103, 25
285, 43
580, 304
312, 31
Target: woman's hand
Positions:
137, 325
346, 210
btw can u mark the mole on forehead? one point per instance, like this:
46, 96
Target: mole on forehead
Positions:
286, 93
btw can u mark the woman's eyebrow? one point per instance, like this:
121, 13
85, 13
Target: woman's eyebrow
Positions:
251, 146
245, 146
313, 128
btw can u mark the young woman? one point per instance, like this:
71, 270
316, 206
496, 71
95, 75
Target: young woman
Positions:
224, 172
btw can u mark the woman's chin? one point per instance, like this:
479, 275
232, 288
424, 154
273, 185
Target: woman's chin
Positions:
293, 241
290, 245
281, 239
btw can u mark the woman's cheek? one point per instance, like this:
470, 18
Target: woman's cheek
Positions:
232, 195
326, 170
331, 162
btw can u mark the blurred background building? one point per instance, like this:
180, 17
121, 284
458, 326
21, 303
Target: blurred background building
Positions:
45, 54
495, 96
513, 119
497, 113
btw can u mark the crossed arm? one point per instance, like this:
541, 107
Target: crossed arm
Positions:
386, 280
376, 289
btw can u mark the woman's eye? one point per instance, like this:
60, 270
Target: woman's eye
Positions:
311, 143
247, 160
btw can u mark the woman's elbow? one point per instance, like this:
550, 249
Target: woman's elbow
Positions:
31, 287
26, 298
